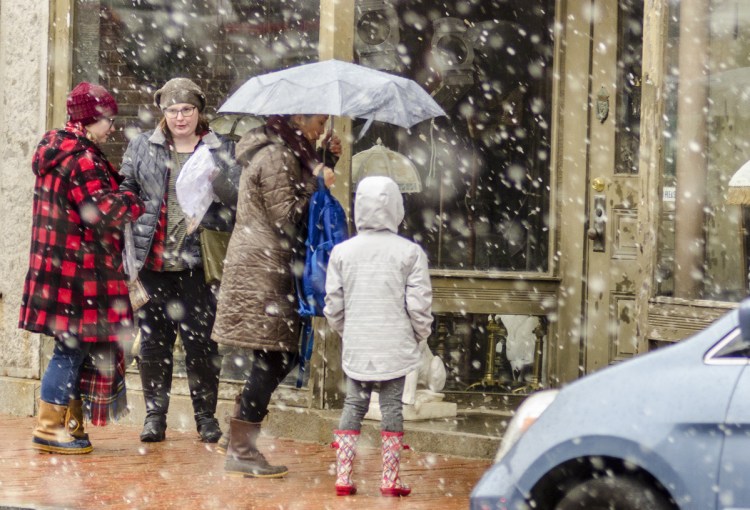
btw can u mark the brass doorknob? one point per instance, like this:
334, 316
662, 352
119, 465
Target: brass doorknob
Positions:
598, 184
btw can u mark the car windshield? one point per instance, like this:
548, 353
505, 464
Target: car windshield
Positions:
731, 347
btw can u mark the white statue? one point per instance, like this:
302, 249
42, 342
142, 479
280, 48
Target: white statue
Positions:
521, 340
422, 398
430, 375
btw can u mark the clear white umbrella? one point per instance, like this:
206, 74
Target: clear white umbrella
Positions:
333, 87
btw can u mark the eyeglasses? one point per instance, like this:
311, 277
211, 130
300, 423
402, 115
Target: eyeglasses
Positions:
111, 121
171, 113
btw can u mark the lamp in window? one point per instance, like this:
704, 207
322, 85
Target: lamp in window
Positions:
233, 125
739, 186
379, 160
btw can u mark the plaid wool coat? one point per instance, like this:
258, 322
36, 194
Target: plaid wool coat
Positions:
75, 283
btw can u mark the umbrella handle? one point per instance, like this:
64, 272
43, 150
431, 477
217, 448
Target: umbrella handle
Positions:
327, 141
322, 179
364, 129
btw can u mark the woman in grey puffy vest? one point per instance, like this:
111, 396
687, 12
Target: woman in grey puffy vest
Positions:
169, 259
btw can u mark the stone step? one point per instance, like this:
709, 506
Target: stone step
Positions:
471, 434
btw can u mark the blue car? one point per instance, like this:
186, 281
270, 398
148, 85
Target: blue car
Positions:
666, 430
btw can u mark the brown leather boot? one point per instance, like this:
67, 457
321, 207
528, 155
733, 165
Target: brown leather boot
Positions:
51, 434
243, 457
221, 446
74, 419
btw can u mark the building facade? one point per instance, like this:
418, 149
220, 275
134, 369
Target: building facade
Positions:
573, 203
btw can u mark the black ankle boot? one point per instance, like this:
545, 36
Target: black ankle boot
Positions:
203, 381
208, 429
154, 429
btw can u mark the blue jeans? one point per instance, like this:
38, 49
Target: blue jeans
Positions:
61, 380
357, 403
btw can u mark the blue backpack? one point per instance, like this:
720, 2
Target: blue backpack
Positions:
326, 227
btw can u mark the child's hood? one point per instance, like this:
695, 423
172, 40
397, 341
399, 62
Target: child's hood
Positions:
378, 205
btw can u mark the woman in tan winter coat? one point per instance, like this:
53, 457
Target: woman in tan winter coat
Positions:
257, 308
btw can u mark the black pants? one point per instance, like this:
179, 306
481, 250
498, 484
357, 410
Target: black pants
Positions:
180, 301
267, 370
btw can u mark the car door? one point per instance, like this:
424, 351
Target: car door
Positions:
734, 466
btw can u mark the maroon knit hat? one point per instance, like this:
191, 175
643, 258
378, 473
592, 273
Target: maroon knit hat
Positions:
89, 102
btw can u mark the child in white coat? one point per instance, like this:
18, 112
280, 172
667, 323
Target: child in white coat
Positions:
379, 299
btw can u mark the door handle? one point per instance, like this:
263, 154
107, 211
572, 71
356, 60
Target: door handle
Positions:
597, 231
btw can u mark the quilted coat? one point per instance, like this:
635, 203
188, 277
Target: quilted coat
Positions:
257, 306
75, 282
378, 290
145, 168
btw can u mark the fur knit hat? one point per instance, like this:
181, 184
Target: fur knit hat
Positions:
180, 90
89, 102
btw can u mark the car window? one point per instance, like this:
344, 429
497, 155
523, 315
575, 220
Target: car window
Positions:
731, 348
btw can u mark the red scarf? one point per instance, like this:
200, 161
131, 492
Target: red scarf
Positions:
296, 141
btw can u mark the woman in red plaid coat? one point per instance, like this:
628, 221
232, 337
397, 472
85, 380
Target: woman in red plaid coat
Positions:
75, 289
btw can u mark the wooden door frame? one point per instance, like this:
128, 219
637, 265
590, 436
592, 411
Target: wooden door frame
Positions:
655, 25
570, 163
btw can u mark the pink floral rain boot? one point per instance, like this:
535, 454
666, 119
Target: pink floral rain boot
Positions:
393, 443
345, 442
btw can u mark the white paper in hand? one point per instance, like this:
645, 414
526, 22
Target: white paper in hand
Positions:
193, 186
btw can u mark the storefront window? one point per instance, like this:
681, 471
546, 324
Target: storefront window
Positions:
132, 47
483, 171
703, 242
478, 200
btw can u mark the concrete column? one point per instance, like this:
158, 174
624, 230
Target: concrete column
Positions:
23, 101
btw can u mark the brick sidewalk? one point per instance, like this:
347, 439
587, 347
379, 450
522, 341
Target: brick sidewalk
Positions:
123, 473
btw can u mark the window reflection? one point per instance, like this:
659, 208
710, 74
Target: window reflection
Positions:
485, 168
133, 47
483, 197
705, 143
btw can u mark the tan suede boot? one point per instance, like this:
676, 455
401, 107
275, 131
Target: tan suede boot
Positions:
74, 419
51, 434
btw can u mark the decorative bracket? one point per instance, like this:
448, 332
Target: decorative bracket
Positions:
602, 105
